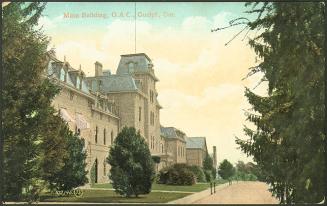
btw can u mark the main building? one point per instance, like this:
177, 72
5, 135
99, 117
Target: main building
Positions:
98, 107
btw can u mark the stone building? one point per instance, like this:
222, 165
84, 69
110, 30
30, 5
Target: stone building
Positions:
98, 107
196, 150
133, 88
175, 145
91, 115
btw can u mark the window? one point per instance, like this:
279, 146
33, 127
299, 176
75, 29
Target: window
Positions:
151, 95
99, 84
162, 148
78, 82
96, 171
140, 112
131, 67
104, 137
112, 137
96, 134
62, 75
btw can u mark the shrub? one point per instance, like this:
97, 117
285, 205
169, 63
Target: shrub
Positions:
177, 174
198, 172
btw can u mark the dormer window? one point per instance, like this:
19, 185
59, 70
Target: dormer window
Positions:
63, 75
131, 67
78, 82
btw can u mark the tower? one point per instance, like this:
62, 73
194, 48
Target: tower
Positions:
214, 157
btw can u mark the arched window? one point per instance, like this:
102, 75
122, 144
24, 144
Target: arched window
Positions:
62, 74
131, 67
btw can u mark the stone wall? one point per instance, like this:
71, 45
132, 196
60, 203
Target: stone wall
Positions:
75, 102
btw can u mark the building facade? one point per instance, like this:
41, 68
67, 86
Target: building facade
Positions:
98, 107
196, 150
175, 145
92, 116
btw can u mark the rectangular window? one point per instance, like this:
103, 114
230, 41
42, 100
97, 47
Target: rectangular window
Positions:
140, 113
96, 134
112, 137
104, 137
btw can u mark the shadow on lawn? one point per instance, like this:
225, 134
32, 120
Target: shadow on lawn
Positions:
111, 197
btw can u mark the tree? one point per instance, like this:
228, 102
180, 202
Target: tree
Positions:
34, 146
288, 142
26, 101
208, 166
73, 173
226, 170
132, 168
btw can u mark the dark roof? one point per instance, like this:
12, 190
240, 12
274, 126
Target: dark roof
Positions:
141, 64
172, 133
196, 143
116, 83
54, 69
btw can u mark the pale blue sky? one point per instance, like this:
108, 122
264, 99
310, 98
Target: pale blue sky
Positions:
181, 10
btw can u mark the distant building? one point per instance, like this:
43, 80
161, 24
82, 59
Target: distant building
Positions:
175, 145
196, 150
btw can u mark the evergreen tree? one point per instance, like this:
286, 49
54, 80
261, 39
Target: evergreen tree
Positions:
132, 168
73, 173
288, 142
208, 166
34, 144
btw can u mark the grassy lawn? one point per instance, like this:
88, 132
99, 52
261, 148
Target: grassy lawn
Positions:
193, 188
109, 196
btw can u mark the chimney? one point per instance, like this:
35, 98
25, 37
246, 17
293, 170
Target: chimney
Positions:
98, 69
214, 157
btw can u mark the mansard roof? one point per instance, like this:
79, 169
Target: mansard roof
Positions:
115, 83
119, 83
135, 63
172, 133
55, 66
196, 143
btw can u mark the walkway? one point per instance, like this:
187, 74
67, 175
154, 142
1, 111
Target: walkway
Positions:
241, 193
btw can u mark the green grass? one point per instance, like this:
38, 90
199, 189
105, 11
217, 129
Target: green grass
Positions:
109, 196
191, 188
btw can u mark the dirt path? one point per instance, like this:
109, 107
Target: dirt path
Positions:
241, 193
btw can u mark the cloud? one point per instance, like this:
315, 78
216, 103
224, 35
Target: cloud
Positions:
200, 85
80, 53
47, 23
